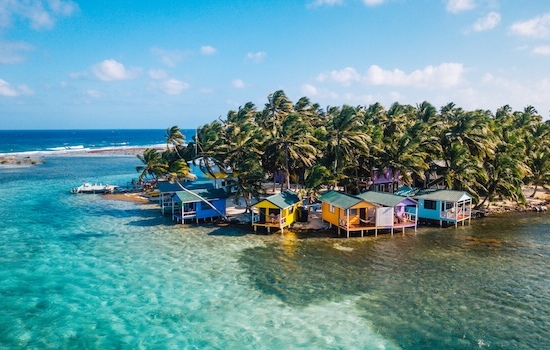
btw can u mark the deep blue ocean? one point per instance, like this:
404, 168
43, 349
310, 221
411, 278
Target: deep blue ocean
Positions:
86, 272
48, 141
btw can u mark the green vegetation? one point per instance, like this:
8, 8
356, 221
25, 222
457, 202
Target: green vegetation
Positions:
490, 156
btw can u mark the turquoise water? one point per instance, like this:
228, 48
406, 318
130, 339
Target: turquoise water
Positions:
79, 271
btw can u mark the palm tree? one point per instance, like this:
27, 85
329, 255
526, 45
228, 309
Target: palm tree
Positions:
153, 164
464, 172
290, 148
174, 137
345, 138
241, 154
539, 164
504, 169
315, 179
403, 155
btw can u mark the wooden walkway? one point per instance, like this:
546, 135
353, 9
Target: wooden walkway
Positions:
368, 227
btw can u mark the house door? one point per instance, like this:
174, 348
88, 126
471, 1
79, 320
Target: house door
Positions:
363, 213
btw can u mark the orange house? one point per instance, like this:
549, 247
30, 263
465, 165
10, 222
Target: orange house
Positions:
346, 212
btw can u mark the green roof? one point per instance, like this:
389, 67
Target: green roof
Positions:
193, 195
382, 198
340, 199
444, 195
284, 199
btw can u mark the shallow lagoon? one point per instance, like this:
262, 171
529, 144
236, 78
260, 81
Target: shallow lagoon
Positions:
79, 271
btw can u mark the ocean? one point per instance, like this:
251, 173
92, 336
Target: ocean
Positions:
64, 141
82, 271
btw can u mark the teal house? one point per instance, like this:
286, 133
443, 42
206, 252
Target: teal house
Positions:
443, 206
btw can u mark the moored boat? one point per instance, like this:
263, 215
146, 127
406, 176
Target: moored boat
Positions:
87, 187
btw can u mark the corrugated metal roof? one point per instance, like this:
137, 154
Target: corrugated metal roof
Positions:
382, 198
406, 191
284, 199
191, 196
340, 199
444, 195
169, 186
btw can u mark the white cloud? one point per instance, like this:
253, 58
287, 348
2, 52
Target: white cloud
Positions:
443, 76
538, 27
238, 84
157, 74
318, 3
39, 13
373, 2
344, 76
169, 58
516, 93
13, 52
456, 6
208, 50
542, 50
488, 22
309, 90
256, 57
173, 86
6, 89
94, 93
65, 8
111, 70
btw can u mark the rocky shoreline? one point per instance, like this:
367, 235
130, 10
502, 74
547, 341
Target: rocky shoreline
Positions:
16, 161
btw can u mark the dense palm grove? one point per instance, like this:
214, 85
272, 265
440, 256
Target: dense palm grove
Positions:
488, 155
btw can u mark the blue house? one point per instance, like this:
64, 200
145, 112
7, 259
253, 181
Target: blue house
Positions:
198, 204
449, 206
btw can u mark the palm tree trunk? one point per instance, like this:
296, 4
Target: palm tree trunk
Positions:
535, 191
204, 200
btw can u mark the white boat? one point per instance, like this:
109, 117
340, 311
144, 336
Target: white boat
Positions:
87, 187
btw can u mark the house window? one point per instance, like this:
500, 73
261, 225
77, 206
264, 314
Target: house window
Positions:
428, 204
331, 208
353, 212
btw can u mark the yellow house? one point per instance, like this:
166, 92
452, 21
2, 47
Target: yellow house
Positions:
347, 212
277, 211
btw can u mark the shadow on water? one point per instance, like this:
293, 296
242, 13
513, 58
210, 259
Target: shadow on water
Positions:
150, 222
475, 287
301, 273
82, 236
224, 229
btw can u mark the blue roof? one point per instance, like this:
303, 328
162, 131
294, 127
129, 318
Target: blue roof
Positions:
174, 186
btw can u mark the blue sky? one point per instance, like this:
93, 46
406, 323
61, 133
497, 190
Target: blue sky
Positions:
153, 64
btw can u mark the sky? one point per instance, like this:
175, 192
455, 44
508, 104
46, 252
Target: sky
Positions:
102, 64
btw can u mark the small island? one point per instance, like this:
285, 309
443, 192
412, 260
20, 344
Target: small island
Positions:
19, 161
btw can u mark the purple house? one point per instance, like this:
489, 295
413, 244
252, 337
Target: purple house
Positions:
381, 181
